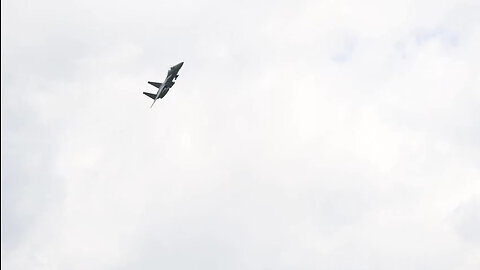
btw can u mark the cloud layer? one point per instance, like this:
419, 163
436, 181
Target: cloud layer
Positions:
300, 135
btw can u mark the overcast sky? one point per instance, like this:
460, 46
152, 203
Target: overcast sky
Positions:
299, 135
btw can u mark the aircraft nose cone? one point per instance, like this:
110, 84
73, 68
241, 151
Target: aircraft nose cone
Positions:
180, 65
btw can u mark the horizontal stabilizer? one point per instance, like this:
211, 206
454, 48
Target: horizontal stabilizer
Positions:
150, 95
156, 84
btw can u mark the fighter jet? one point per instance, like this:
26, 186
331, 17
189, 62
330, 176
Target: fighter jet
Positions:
166, 85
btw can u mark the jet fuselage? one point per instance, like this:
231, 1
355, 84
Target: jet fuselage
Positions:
168, 83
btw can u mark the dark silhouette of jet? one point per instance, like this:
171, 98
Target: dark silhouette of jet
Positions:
166, 85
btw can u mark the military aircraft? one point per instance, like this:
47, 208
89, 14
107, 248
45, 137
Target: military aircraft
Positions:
166, 85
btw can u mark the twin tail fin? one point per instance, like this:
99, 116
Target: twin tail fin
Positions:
150, 95
156, 84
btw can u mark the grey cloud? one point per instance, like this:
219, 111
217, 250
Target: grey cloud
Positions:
466, 220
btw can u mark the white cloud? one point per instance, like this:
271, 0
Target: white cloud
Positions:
307, 134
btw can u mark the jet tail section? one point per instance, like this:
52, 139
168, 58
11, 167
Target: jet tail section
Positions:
156, 84
150, 95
